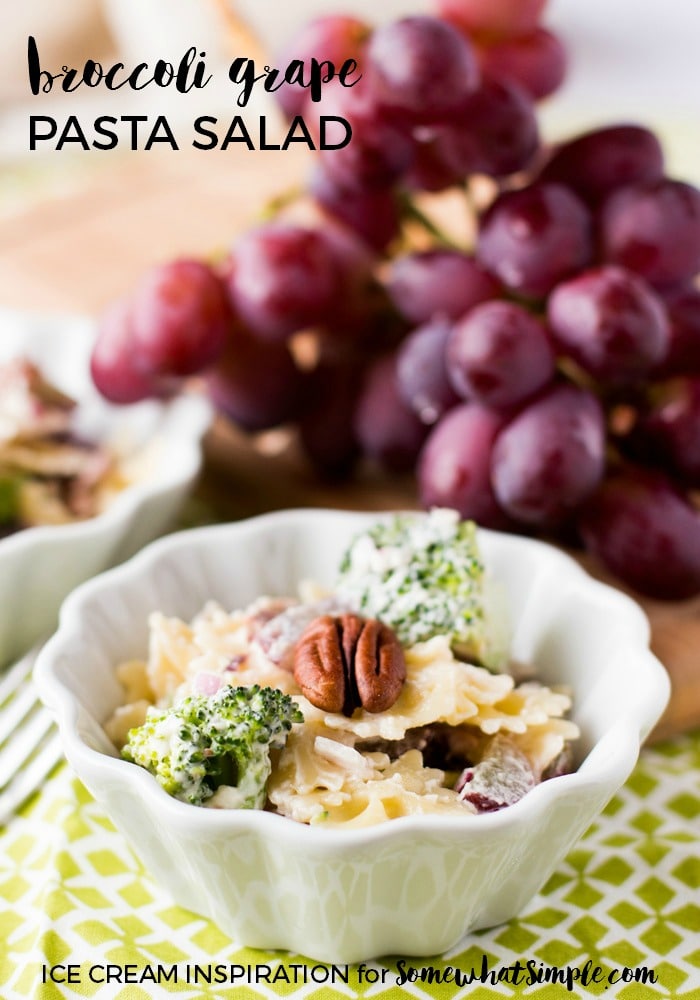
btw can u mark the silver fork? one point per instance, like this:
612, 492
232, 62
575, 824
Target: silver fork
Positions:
29, 741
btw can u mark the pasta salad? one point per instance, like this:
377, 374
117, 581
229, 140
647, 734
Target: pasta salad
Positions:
49, 474
389, 696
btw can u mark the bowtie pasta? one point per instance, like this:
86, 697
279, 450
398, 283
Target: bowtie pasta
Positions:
459, 739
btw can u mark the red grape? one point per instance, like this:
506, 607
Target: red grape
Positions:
353, 257
380, 150
438, 283
535, 60
284, 279
180, 318
355, 262
611, 323
335, 38
674, 427
654, 229
326, 427
387, 430
373, 213
365, 319
255, 384
115, 362
550, 457
499, 18
421, 372
599, 162
429, 171
493, 132
534, 238
683, 355
454, 469
421, 68
499, 354
646, 533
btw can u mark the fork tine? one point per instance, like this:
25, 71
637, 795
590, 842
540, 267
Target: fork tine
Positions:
16, 675
23, 743
30, 777
29, 742
15, 710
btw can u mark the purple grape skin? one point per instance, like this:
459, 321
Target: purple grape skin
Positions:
673, 427
255, 384
180, 318
502, 777
536, 60
438, 283
492, 18
420, 68
326, 426
372, 213
499, 354
380, 150
429, 171
683, 355
387, 430
421, 372
363, 322
599, 162
284, 279
534, 238
115, 363
550, 457
611, 323
454, 469
333, 38
654, 229
494, 132
646, 533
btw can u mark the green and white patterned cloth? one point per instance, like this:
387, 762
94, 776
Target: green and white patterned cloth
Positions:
628, 896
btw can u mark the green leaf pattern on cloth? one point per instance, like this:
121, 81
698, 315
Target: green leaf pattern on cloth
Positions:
627, 895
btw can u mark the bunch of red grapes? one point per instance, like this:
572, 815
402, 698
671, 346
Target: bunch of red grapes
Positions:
547, 381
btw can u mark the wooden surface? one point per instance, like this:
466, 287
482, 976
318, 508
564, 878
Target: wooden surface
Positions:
76, 250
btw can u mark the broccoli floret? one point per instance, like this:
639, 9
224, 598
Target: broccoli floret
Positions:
212, 740
422, 575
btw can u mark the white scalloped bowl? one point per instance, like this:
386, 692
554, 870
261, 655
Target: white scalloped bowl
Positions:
412, 886
40, 566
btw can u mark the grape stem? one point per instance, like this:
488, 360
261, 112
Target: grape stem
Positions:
274, 206
470, 199
411, 212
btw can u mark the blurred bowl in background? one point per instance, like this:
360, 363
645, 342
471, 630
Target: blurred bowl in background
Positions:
39, 566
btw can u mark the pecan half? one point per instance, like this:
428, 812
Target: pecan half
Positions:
346, 662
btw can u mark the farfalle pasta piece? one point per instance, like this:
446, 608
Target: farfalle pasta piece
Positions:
215, 644
530, 704
124, 719
543, 744
438, 688
133, 677
171, 649
320, 779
